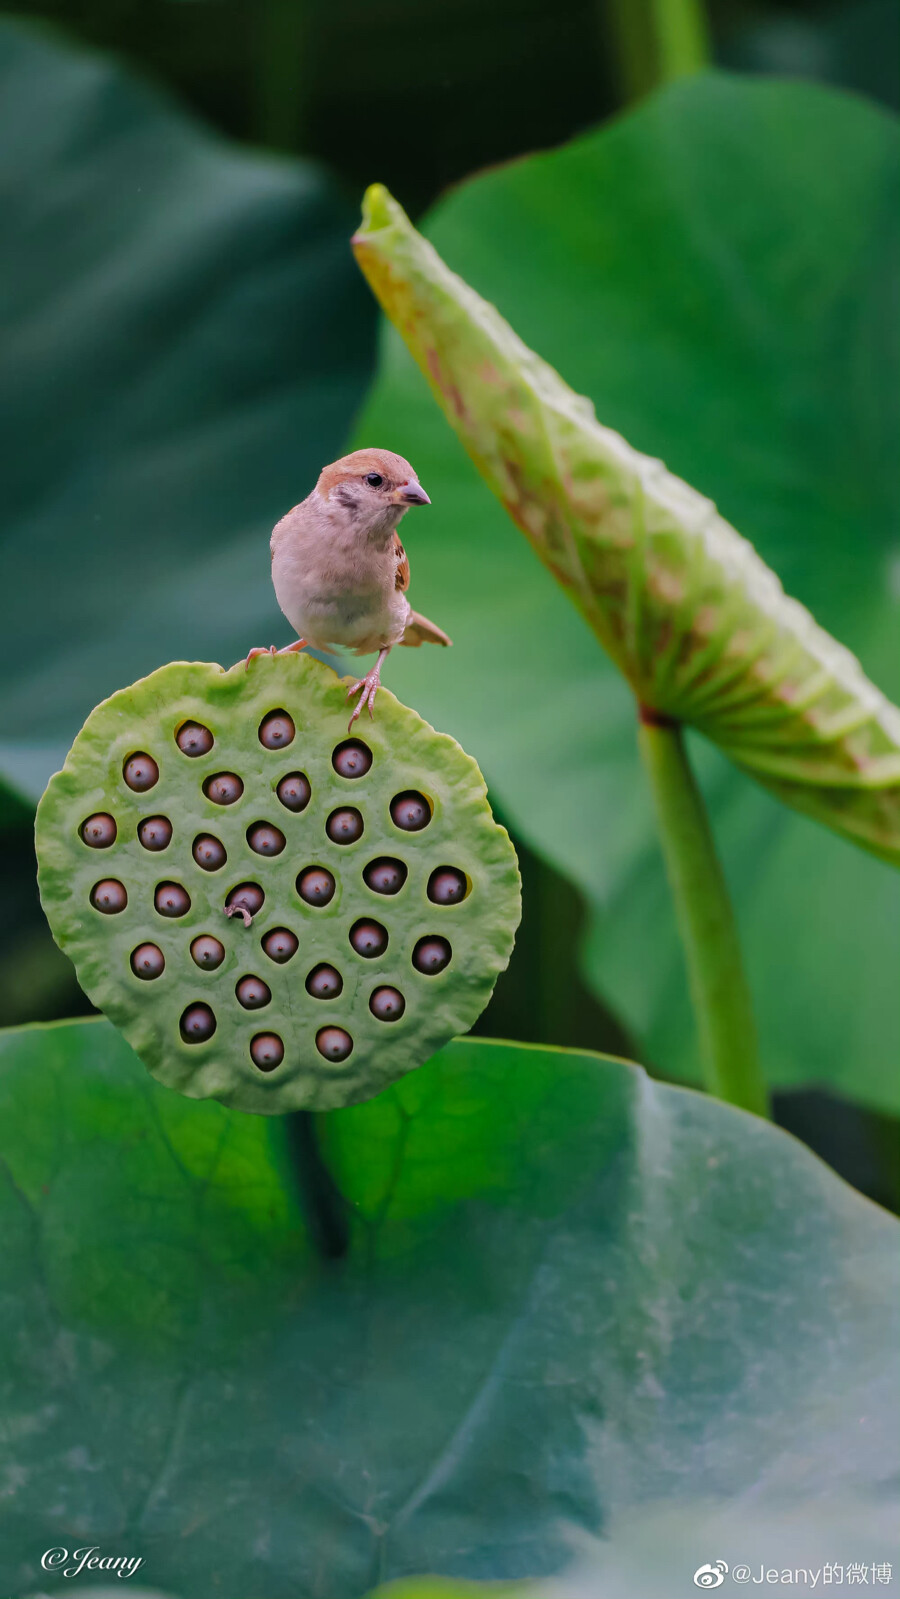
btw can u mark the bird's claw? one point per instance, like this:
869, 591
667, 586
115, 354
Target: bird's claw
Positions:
259, 650
370, 684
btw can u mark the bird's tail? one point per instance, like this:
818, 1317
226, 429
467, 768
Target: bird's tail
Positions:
420, 631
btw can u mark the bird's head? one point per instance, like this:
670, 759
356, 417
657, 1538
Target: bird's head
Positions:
374, 487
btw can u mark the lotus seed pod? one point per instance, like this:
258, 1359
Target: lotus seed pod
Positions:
307, 975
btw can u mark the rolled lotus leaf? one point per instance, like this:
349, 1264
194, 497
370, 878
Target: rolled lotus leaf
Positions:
695, 620
275, 915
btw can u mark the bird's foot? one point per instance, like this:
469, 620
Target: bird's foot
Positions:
298, 644
259, 651
370, 684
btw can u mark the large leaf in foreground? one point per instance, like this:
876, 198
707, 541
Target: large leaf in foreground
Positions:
712, 271
569, 1293
188, 344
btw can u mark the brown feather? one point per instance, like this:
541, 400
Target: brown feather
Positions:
402, 579
420, 631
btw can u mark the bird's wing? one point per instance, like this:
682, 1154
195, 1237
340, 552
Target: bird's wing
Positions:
402, 578
420, 631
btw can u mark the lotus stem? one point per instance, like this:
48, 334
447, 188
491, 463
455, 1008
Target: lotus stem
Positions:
719, 992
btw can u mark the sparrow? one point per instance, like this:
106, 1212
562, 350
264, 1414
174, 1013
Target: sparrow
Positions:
340, 572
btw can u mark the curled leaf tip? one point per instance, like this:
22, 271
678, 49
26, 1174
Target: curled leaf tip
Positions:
379, 210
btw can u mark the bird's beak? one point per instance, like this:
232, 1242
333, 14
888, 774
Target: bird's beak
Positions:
410, 493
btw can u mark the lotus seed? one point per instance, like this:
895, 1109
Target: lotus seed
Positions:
369, 938
316, 886
324, 982
99, 831
280, 945
344, 826
266, 1051
148, 961
208, 852
197, 1024
265, 839
224, 788
140, 772
334, 1043
276, 730
253, 993
207, 952
294, 791
385, 876
194, 739
109, 896
410, 811
171, 899
431, 955
245, 901
447, 886
155, 832
387, 1004
352, 758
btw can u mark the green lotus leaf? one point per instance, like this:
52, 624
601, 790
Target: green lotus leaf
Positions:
275, 915
696, 621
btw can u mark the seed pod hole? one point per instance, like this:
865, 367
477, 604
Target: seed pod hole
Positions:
172, 900
207, 952
387, 1004
431, 955
148, 961
324, 982
353, 758
316, 886
447, 885
266, 1051
276, 731
252, 993
280, 945
197, 1023
155, 832
386, 875
264, 839
294, 791
246, 901
344, 826
410, 811
368, 938
334, 1043
99, 831
109, 896
224, 788
194, 739
208, 852
140, 772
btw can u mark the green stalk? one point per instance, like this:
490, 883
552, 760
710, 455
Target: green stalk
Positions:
656, 41
719, 992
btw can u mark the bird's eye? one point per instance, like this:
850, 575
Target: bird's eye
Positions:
374, 480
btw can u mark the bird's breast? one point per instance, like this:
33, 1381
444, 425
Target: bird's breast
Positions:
331, 599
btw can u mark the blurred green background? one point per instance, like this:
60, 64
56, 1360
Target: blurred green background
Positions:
188, 341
